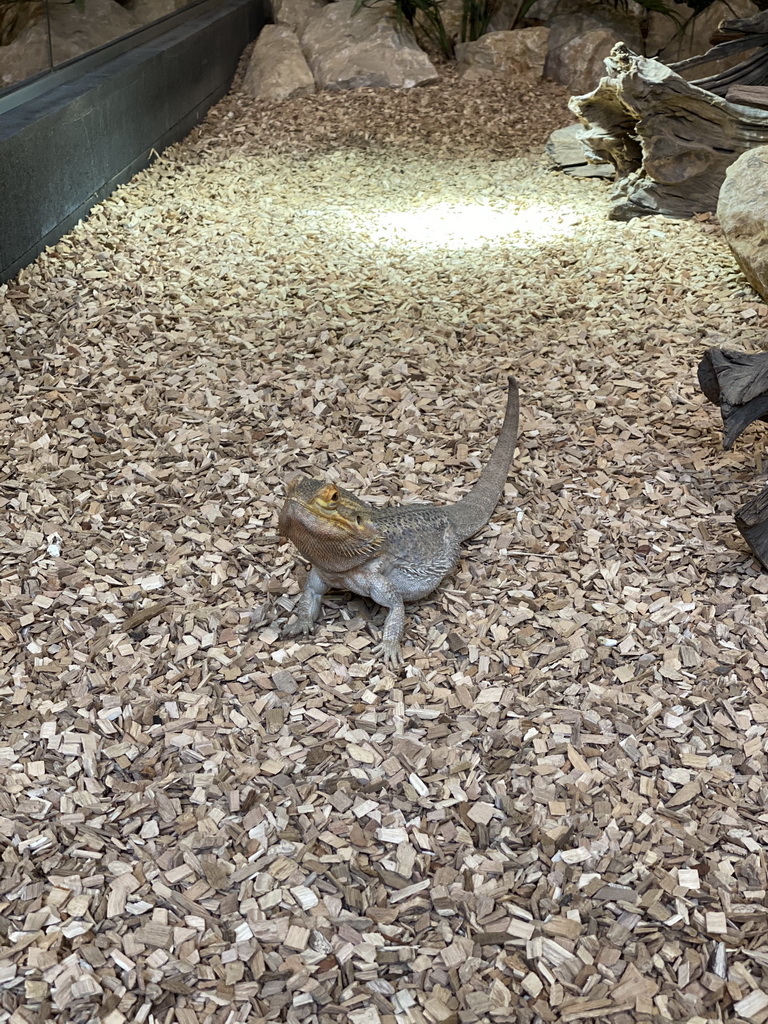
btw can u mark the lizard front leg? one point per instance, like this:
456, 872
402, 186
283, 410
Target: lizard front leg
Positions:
308, 607
385, 594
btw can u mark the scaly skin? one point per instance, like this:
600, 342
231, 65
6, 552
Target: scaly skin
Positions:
391, 555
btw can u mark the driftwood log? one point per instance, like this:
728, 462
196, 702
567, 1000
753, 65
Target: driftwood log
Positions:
671, 140
738, 383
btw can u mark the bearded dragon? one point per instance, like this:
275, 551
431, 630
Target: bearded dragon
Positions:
391, 554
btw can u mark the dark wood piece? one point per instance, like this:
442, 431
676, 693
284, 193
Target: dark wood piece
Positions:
752, 521
738, 383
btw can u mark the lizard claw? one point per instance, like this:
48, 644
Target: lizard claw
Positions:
298, 628
389, 654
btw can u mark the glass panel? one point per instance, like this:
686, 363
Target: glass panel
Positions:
36, 35
24, 44
146, 11
78, 26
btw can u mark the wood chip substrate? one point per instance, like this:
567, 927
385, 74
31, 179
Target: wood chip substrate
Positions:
557, 810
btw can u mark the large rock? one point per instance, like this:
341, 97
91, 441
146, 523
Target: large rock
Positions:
295, 13
580, 63
742, 210
581, 37
347, 51
505, 54
277, 69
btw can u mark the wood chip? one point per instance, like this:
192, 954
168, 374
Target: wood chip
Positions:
752, 1007
716, 922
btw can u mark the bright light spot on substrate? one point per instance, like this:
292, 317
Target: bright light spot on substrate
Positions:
471, 226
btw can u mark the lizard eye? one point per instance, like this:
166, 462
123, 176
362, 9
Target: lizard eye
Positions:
333, 496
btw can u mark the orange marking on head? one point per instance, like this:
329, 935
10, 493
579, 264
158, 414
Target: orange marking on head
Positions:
329, 495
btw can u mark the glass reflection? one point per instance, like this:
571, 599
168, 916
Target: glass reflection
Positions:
37, 35
78, 26
25, 48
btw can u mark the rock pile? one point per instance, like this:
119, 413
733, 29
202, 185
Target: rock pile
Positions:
566, 40
569, 44
327, 46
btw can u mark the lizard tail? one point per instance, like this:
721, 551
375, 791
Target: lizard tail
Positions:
473, 511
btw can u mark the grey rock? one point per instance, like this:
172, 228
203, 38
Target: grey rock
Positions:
581, 37
277, 69
295, 13
742, 210
521, 51
347, 51
580, 63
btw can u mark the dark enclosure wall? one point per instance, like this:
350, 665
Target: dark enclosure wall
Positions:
66, 149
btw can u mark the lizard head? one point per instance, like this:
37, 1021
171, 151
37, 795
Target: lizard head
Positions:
330, 527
